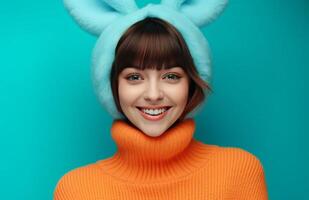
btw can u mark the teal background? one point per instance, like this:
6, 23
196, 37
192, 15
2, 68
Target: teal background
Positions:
51, 121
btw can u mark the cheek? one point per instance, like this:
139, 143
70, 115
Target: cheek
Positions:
127, 94
178, 93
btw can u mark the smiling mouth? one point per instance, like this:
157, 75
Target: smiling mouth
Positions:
146, 111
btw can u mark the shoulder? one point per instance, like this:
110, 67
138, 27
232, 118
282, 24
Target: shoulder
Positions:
233, 155
239, 161
80, 173
70, 184
239, 155
244, 171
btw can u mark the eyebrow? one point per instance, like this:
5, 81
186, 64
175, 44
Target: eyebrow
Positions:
137, 68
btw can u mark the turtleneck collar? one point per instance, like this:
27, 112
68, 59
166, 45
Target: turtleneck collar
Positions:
134, 145
140, 157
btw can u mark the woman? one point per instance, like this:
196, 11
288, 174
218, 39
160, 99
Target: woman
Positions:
156, 89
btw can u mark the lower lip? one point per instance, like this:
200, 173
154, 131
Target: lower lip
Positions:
153, 118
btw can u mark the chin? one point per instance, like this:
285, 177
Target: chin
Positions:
153, 128
152, 133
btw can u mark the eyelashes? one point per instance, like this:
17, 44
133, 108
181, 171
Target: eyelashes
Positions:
129, 77
169, 76
176, 77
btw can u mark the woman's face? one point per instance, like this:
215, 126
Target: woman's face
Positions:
163, 92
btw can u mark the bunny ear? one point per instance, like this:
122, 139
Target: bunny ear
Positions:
123, 6
175, 4
95, 15
201, 12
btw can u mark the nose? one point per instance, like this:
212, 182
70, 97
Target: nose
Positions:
153, 92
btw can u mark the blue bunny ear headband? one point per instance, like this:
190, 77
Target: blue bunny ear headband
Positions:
109, 19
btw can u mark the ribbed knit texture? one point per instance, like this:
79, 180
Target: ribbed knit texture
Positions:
173, 166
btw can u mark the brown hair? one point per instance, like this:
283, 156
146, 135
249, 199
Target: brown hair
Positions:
153, 43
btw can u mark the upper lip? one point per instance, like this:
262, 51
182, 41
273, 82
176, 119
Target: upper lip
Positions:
153, 107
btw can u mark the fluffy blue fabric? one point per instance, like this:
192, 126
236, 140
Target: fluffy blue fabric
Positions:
109, 19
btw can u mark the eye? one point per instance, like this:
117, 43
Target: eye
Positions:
133, 77
172, 76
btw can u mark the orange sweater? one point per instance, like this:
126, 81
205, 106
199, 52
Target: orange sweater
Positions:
172, 166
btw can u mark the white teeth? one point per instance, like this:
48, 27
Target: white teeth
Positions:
154, 111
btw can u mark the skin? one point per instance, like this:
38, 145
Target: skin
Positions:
151, 87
